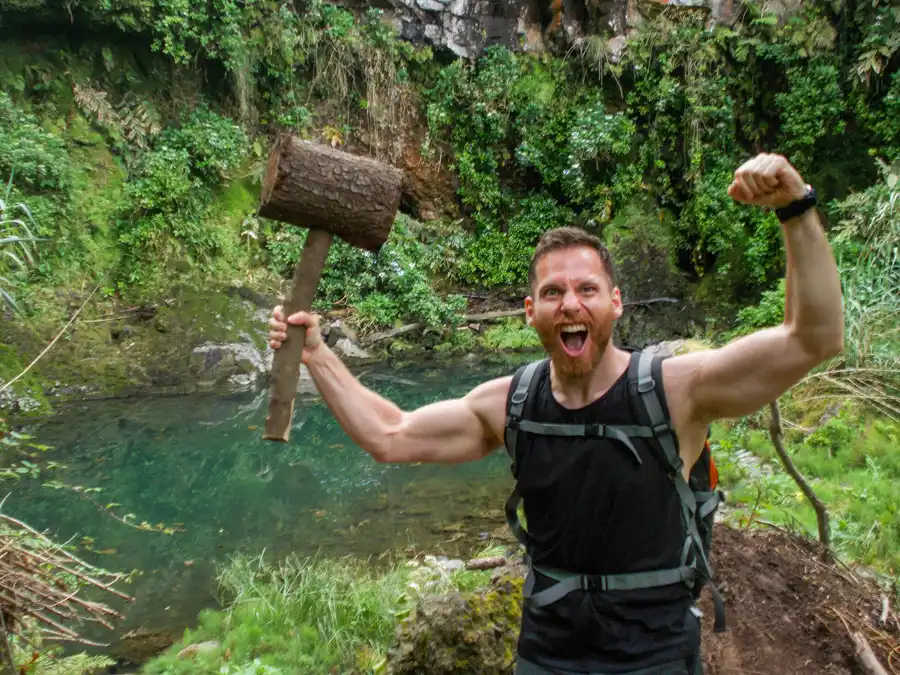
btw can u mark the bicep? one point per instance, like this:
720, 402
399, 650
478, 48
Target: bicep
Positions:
744, 375
452, 431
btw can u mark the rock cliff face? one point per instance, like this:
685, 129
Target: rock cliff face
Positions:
467, 27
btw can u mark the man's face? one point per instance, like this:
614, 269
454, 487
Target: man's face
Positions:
573, 308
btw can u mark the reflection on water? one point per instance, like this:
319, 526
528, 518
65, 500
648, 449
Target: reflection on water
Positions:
200, 461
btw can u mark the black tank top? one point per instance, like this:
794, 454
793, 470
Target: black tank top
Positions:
591, 508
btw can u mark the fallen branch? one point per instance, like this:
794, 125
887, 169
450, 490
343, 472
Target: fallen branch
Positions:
777, 433
486, 563
865, 657
476, 318
489, 316
41, 580
388, 334
652, 301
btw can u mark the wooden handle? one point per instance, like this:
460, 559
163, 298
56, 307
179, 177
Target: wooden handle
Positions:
286, 364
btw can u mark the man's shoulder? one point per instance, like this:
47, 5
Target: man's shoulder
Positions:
488, 402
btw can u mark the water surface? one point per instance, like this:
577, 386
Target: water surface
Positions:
200, 462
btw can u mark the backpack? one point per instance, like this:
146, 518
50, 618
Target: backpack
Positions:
698, 496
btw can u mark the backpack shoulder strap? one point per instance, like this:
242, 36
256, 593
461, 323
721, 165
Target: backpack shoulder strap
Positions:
646, 382
525, 383
646, 387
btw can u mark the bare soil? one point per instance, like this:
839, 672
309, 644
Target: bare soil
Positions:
791, 610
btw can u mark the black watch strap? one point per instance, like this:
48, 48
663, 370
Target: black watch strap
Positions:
799, 206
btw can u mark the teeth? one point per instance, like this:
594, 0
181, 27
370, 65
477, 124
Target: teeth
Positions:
575, 328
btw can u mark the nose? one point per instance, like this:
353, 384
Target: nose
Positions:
570, 301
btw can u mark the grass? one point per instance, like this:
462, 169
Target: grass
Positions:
851, 462
308, 616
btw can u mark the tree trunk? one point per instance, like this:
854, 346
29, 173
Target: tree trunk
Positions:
777, 433
316, 186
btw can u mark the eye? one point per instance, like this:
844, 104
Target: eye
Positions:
550, 292
588, 288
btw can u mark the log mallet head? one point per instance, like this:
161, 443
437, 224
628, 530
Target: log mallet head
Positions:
331, 192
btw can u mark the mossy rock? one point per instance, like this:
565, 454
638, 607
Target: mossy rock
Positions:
461, 633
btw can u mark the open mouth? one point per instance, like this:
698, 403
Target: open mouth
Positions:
574, 339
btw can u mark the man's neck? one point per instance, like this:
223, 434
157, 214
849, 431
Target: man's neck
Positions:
577, 391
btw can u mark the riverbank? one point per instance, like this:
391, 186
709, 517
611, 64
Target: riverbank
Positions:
440, 616
214, 340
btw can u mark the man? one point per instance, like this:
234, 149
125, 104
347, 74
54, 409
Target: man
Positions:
590, 507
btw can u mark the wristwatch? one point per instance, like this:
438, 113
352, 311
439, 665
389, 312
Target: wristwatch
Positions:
799, 206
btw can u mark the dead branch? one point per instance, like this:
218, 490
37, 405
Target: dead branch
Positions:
486, 563
388, 334
777, 434
865, 657
487, 316
40, 581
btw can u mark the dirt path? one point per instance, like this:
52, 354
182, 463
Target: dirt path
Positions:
787, 608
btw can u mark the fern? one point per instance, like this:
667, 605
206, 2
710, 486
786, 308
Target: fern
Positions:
94, 103
132, 119
139, 120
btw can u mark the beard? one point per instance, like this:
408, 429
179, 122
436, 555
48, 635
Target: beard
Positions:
595, 344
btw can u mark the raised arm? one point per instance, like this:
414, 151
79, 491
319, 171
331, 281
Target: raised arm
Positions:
451, 431
752, 371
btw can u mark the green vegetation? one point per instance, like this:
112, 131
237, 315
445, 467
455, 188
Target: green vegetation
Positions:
141, 161
511, 334
853, 465
134, 146
308, 616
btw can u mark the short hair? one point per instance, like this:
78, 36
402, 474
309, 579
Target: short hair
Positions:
561, 238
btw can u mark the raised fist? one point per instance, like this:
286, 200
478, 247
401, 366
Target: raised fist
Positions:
767, 180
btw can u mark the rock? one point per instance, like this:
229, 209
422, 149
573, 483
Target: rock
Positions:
139, 646
339, 330
238, 363
431, 5
461, 633
465, 27
191, 651
305, 383
452, 565
349, 351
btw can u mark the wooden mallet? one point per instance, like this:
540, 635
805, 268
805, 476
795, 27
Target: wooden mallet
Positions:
332, 193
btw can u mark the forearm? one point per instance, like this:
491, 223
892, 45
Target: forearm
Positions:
813, 310
366, 417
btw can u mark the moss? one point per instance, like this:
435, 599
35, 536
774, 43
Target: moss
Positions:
467, 632
27, 396
404, 348
132, 352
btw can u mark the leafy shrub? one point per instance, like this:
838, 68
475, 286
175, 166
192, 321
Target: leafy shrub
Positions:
495, 258
511, 334
214, 144
393, 286
37, 159
169, 195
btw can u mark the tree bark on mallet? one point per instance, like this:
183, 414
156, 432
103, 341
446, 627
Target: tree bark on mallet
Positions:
332, 193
